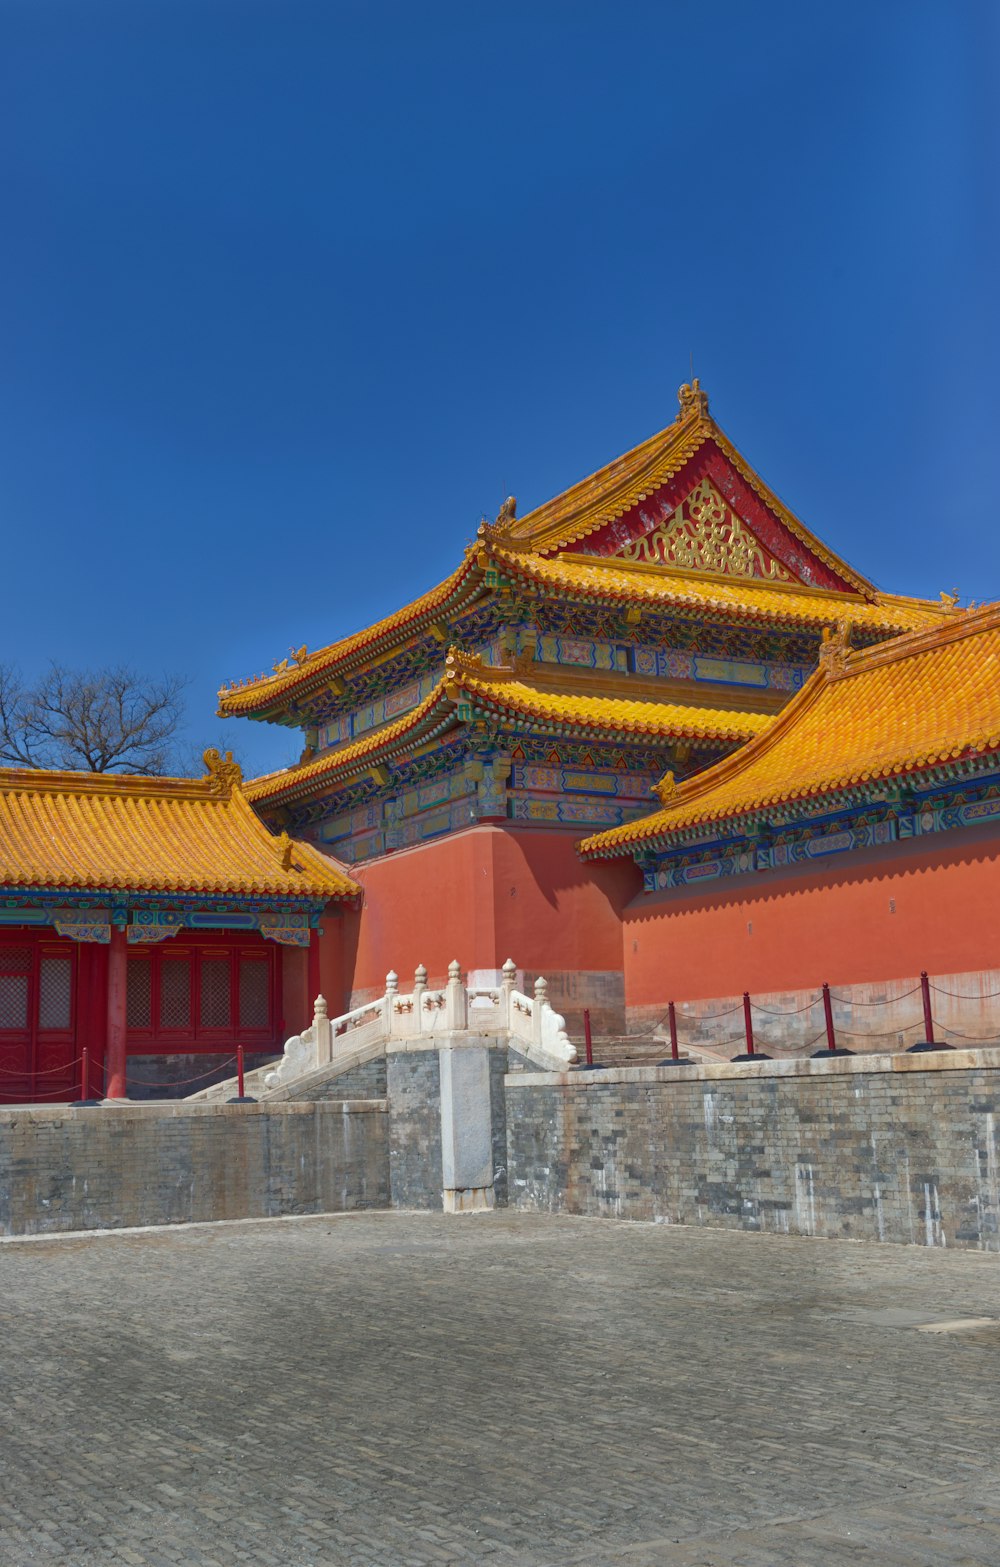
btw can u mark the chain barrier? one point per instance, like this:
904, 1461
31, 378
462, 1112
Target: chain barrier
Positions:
180, 1082
846, 1001
958, 995
708, 1017
885, 1033
974, 1038
49, 1071
792, 1012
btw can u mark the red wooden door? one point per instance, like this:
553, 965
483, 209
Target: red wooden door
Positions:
37, 1022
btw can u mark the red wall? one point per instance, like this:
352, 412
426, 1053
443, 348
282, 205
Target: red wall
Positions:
927, 904
482, 896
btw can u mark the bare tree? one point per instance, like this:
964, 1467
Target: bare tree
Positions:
98, 721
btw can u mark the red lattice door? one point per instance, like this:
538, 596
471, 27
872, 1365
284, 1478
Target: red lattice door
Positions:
37, 1024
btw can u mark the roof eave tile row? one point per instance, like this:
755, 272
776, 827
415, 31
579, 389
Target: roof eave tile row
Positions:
920, 701
192, 838
513, 697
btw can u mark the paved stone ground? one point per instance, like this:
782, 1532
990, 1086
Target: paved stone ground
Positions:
399, 1389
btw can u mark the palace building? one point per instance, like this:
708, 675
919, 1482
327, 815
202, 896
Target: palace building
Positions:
479, 778
653, 619
154, 923
857, 840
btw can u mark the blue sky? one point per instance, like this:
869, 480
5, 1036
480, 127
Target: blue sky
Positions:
292, 292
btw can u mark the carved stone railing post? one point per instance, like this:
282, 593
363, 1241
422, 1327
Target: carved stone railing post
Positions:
419, 986
456, 1001
389, 1006
541, 1002
323, 1030
508, 984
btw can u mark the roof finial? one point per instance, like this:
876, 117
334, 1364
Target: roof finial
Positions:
665, 789
507, 512
222, 774
692, 399
835, 648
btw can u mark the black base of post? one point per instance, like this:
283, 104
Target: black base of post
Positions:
588, 1066
925, 1045
827, 1055
87, 1104
241, 1099
676, 1061
758, 1055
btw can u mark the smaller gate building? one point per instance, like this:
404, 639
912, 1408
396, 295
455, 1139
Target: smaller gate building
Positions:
154, 923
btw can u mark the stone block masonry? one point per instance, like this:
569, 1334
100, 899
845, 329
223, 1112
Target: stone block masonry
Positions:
64, 1168
885, 1148
414, 1082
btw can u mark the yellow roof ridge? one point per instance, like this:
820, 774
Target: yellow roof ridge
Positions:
261, 690
840, 667
512, 690
125, 832
630, 478
607, 577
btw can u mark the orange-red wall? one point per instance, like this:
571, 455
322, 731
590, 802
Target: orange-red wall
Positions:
482, 896
933, 903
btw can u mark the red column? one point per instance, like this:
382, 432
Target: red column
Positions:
114, 1057
312, 979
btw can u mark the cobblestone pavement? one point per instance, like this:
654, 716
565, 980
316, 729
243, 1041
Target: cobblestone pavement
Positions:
414, 1389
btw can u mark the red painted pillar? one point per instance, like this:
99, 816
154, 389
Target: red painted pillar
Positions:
313, 981
114, 1056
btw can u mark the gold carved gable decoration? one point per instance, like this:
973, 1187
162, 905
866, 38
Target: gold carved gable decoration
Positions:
705, 534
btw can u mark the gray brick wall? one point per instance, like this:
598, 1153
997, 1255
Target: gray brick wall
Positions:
176, 1076
414, 1089
359, 1082
498, 1120
853, 1149
70, 1169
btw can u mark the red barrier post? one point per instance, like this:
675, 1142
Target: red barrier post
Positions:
85, 1075
831, 1048
831, 1038
925, 996
241, 1097
928, 1042
672, 1020
751, 1053
588, 1041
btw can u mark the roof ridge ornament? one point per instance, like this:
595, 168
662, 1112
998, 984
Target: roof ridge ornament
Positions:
286, 848
835, 649
693, 401
666, 789
222, 774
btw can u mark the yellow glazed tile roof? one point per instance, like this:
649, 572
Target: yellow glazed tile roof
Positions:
523, 547
739, 597
166, 835
306, 670
914, 702
509, 692
503, 691
616, 488
430, 717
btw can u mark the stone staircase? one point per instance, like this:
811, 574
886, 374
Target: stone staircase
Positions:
641, 1050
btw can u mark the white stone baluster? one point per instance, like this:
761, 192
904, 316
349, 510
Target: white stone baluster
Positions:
456, 1002
419, 986
508, 985
541, 1002
389, 1006
323, 1030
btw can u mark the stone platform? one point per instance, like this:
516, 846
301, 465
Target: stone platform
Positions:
382, 1389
